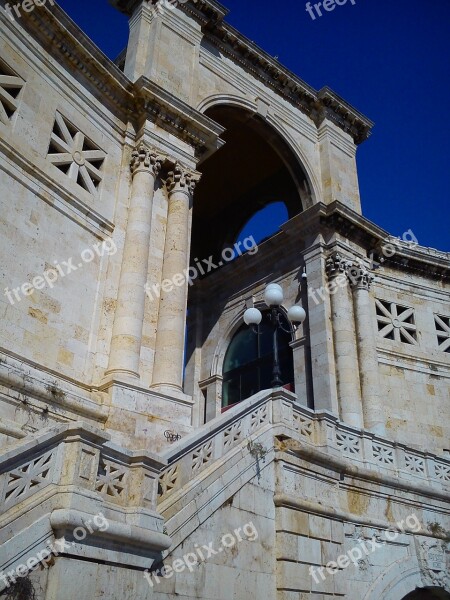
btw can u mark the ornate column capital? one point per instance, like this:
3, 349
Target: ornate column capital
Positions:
146, 159
357, 273
359, 276
336, 264
181, 179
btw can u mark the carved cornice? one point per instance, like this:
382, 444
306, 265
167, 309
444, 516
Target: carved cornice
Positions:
146, 159
205, 11
134, 102
352, 226
66, 42
157, 105
183, 180
319, 106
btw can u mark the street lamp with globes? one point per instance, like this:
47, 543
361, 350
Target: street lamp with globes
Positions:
273, 297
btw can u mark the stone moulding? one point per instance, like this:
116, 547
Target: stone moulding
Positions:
35, 384
49, 24
63, 520
300, 504
177, 117
132, 102
338, 217
50, 190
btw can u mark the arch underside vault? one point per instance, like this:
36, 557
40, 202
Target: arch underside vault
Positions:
256, 167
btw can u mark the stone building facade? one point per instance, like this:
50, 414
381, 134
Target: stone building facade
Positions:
121, 182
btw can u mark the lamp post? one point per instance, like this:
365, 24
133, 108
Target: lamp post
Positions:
273, 297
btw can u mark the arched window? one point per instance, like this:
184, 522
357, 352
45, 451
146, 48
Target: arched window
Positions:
248, 363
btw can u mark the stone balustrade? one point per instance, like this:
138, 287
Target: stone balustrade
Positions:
321, 431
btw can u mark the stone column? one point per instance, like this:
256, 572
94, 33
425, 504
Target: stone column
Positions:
345, 352
170, 336
129, 316
360, 281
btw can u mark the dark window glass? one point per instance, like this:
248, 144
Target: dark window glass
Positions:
248, 362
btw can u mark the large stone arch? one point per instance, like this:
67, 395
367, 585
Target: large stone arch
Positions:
296, 181
403, 578
252, 106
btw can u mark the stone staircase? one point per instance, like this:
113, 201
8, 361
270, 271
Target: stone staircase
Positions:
53, 484
207, 468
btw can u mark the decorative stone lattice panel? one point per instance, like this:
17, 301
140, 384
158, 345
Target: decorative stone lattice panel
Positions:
26, 480
396, 322
73, 153
168, 481
442, 325
202, 457
349, 444
383, 454
259, 417
303, 425
442, 472
232, 435
415, 464
10, 88
111, 480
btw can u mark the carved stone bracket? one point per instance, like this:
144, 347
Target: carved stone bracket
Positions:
180, 179
144, 158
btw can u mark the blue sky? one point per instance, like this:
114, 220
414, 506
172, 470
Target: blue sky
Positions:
388, 58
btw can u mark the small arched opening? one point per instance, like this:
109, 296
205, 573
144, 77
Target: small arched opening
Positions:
248, 363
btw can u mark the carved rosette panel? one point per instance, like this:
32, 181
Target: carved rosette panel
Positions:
232, 435
75, 155
168, 481
396, 322
303, 425
442, 325
202, 456
147, 159
259, 417
349, 445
